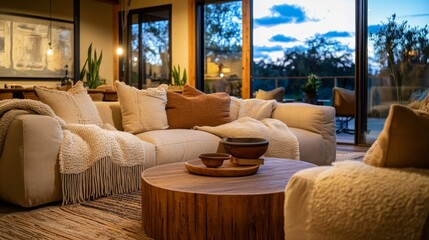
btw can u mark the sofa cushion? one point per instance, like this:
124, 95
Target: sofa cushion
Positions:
178, 145
142, 110
276, 94
197, 110
73, 106
403, 140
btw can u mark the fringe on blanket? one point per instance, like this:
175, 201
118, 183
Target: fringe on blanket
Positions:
103, 178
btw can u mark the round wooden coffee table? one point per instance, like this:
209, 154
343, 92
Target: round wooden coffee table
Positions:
179, 205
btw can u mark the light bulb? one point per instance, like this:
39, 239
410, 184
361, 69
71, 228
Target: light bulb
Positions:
50, 52
119, 51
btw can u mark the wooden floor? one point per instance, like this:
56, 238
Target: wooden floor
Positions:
351, 148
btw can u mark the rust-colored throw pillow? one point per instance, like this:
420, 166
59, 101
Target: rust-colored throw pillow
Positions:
403, 141
190, 91
199, 110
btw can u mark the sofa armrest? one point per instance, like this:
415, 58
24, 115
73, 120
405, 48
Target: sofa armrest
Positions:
313, 118
298, 193
29, 170
350, 195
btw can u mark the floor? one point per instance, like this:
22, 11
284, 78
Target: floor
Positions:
375, 125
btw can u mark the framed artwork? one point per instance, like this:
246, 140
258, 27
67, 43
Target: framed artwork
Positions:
24, 43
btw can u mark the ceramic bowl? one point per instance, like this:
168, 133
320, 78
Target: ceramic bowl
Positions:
214, 160
251, 148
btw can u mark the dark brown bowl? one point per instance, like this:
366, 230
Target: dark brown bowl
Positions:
251, 148
214, 160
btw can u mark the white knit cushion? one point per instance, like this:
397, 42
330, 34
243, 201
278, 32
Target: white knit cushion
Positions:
73, 106
142, 110
257, 108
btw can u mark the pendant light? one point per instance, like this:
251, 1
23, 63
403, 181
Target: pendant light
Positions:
50, 51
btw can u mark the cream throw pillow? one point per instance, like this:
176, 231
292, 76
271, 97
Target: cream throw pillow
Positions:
276, 94
257, 108
403, 141
73, 106
142, 110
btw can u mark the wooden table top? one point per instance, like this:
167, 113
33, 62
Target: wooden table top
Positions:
271, 177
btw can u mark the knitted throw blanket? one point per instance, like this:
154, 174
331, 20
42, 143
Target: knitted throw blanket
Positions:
353, 200
282, 142
93, 161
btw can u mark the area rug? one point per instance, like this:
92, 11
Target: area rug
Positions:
115, 217
356, 156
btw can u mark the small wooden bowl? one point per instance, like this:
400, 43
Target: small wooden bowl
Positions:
251, 148
214, 160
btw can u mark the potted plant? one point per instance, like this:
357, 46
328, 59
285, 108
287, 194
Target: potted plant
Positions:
178, 80
91, 68
310, 88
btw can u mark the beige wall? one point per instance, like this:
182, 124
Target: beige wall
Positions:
96, 27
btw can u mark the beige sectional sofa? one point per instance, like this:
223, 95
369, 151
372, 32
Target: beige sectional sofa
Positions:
29, 174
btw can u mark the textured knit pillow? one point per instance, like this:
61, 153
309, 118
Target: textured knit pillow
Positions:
142, 110
257, 108
200, 110
276, 94
403, 141
73, 106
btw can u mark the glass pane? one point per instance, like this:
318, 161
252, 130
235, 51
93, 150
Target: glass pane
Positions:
156, 48
293, 39
398, 49
222, 47
134, 68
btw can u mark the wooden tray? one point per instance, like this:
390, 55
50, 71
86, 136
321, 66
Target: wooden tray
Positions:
228, 169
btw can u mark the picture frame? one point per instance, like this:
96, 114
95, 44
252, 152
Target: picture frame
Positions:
24, 43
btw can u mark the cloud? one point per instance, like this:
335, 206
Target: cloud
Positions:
282, 38
414, 15
281, 14
267, 49
336, 34
372, 29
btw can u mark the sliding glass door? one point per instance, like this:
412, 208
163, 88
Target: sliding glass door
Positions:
219, 54
398, 63
149, 60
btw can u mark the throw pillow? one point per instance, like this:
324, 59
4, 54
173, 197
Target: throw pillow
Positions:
199, 110
142, 110
74, 106
190, 91
257, 108
403, 140
276, 94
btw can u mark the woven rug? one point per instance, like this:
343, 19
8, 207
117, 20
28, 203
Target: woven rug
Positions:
115, 217
356, 156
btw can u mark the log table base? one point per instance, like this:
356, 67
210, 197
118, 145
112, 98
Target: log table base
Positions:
179, 205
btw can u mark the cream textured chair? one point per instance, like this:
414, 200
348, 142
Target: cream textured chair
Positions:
384, 197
